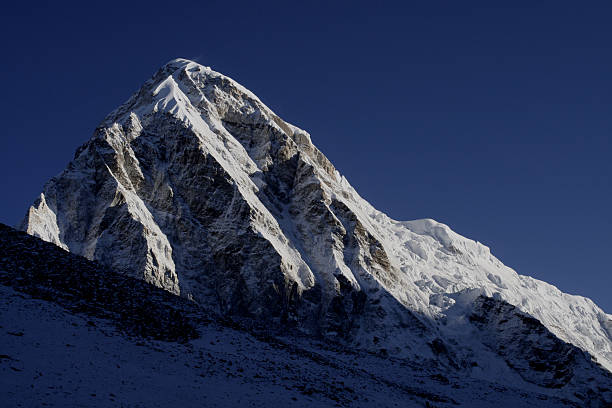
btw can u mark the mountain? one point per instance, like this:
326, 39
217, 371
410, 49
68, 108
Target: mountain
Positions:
195, 186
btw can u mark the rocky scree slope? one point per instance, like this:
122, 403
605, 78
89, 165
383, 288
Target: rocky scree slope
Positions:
197, 187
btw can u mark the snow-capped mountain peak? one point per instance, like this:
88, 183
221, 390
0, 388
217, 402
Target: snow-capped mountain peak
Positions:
196, 186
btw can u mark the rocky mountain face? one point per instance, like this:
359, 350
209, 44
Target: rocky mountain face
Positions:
197, 187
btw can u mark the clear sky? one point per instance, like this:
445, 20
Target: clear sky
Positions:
494, 120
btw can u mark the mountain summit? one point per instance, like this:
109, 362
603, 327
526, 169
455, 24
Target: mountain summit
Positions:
196, 186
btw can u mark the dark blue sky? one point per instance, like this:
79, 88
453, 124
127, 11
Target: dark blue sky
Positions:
494, 120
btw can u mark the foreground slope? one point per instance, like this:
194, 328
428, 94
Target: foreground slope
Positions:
196, 186
73, 333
